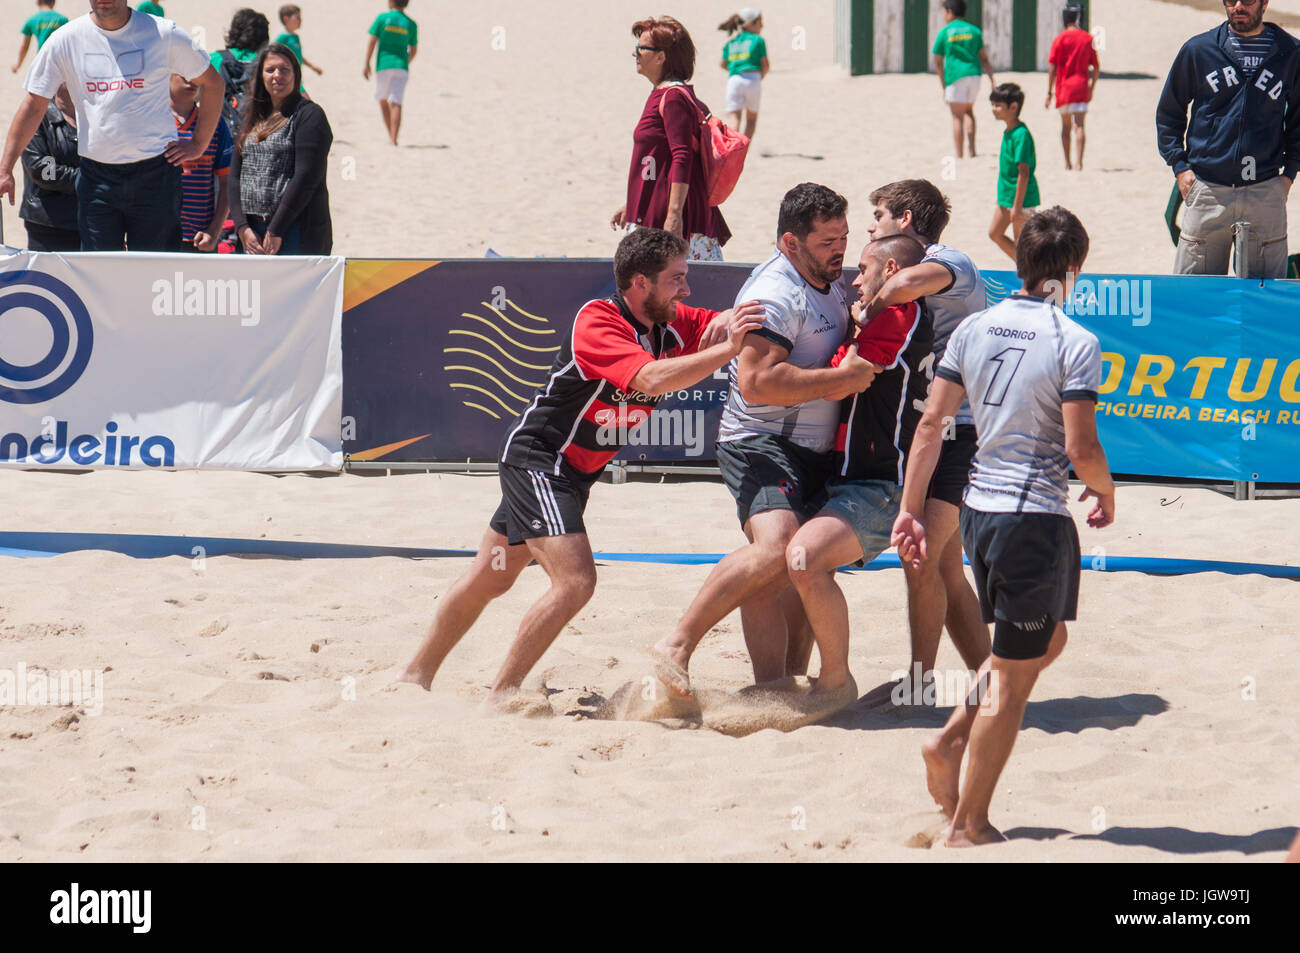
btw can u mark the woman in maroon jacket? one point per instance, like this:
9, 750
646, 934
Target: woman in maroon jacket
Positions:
665, 184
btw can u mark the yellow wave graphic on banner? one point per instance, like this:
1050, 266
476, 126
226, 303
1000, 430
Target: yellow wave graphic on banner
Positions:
486, 369
995, 290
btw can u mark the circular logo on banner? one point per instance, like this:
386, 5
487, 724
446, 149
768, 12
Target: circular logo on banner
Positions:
73, 337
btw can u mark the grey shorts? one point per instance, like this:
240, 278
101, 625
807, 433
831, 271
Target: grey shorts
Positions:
870, 507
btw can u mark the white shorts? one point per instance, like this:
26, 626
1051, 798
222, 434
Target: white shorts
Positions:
1072, 108
744, 91
390, 84
965, 90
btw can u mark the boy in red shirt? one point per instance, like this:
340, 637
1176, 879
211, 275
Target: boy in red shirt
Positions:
1073, 71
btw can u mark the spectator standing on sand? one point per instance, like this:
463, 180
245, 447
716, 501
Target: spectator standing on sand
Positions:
1236, 158
291, 20
1073, 72
49, 209
396, 38
152, 8
959, 58
278, 197
1017, 187
40, 25
665, 184
205, 182
128, 186
744, 57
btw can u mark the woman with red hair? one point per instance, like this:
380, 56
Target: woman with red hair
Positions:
666, 187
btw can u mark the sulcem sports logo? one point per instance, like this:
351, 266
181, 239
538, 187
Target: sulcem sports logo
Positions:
72, 339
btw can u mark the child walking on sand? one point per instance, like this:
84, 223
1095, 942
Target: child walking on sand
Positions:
1017, 187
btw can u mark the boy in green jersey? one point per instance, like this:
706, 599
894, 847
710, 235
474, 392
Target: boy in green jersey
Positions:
959, 58
150, 7
1017, 188
744, 57
39, 25
394, 35
291, 19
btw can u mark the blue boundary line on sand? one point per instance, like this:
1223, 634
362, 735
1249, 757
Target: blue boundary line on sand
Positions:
44, 545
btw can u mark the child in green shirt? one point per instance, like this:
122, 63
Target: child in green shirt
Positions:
150, 7
744, 57
291, 19
1017, 188
39, 25
959, 58
394, 35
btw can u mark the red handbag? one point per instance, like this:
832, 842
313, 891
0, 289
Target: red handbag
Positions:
722, 152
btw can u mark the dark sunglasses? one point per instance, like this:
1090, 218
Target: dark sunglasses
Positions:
652, 49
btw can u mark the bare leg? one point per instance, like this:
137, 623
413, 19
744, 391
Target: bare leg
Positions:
970, 128
395, 123
767, 635
1017, 223
738, 578
1065, 138
958, 110
927, 603
1080, 138
491, 574
966, 628
1294, 856
388, 118
823, 544
751, 123
998, 231
569, 563
799, 633
733, 120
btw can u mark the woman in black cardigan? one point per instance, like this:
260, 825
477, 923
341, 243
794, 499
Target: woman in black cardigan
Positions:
278, 198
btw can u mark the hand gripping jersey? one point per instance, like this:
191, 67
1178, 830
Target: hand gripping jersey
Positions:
876, 426
808, 323
1018, 361
581, 418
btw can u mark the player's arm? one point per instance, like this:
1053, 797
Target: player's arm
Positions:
1051, 84
27, 119
763, 67
1095, 70
212, 93
988, 67
941, 406
764, 376
673, 373
410, 53
938, 68
370, 54
908, 284
22, 51
1022, 186
1088, 459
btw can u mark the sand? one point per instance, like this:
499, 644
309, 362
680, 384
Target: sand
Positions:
248, 710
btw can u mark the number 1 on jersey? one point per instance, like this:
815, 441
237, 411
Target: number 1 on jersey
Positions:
997, 391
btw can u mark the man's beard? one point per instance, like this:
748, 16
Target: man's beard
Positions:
660, 310
1251, 23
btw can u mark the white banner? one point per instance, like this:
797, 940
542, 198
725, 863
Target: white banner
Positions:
137, 360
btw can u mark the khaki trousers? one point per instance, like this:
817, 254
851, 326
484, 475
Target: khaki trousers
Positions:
1206, 242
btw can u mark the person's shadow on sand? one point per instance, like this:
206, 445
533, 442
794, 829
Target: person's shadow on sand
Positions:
1173, 840
874, 711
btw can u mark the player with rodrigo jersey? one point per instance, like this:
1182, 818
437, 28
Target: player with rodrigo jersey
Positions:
775, 441
1032, 375
937, 590
875, 431
624, 354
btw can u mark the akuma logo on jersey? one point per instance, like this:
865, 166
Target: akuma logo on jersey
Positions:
72, 338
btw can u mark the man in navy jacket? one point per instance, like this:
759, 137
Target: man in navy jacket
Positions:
1236, 158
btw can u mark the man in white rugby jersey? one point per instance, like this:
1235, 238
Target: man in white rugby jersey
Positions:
1032, 375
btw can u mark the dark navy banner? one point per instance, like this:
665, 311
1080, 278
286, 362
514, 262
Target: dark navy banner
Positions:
1200, 376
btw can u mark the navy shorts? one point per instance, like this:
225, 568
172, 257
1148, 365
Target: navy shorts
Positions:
952, 473
767, 472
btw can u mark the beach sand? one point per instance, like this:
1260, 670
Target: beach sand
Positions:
248, 710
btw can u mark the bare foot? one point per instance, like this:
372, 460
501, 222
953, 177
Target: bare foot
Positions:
943, 772
415, 678
670, 668
988, 834
515, 701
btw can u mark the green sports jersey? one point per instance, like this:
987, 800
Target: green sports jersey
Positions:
396, 33
150, 7
244, 56
293, 41
959, 43
41, 25
744, 53
1017, 147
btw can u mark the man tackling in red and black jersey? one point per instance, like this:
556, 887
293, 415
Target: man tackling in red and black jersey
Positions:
624, 353
876, 427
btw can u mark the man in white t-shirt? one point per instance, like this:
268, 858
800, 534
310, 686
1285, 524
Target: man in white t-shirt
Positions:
117, 65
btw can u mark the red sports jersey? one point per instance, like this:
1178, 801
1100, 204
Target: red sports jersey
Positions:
876, 426
582, 416
1072, 54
